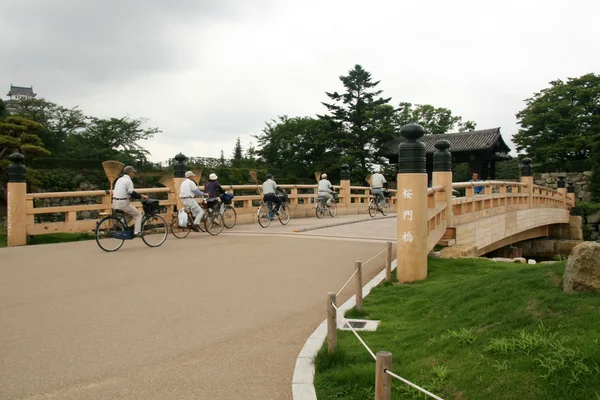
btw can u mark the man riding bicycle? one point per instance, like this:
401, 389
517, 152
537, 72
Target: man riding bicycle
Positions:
378, 182
187, 191
325, 190
122, 194
270, 189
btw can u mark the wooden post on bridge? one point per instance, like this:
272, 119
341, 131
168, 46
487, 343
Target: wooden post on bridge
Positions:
562, 189
442, 175
16, 208
412, 206
527, 178
179, 169
345, 185
571, 193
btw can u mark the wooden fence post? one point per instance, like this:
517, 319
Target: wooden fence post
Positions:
383, 381
442, 175
388, 263
179, 169
16, 208
331, 323
359, 296
527, 178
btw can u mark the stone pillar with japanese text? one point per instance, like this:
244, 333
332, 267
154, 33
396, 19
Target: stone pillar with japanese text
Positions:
179, 168
412, 206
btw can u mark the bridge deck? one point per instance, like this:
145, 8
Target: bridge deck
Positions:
199, 318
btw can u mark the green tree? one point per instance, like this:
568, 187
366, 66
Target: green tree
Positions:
59, 122
560, 122
434, 120
113, 138
238, 154
297, 147
359, 120
3, 110
22, 135
222, 160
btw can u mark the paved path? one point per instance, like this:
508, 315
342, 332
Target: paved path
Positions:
200, 318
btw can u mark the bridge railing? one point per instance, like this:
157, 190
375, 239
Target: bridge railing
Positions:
79, 211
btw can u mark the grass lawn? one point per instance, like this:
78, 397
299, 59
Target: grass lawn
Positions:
52, 238
475, 329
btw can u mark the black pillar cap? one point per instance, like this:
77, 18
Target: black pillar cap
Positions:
526, 169
16, 171
411, 153
442, 158
180, 167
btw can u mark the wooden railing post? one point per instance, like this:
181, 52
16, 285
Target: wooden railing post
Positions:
16, 196
383, 381
412, 206
527, 178
331, 323
388, 263
179, 168
562, 189
359, 296
571, 194
442, 175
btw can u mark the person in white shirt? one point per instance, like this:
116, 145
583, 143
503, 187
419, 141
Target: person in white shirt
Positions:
187, 190
122, 194
325, 189
269, 189
377, 184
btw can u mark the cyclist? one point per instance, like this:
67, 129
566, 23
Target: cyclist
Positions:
213, 189
122, 194
270, 189
325, 189
187, 191
378, 182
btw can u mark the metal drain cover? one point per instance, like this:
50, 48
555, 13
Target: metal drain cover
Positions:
358, 325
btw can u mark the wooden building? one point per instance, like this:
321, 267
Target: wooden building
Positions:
479, 149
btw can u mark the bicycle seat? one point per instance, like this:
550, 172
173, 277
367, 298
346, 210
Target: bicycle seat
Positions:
118, 212
320, 197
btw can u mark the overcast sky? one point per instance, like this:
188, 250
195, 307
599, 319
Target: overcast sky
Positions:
206, 72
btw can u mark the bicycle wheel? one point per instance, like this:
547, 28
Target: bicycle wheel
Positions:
263, 216
178, 231
319, 209
284, 214
372, 208
333, 208
154, 230
229, 217
214, 224
107, 232
385, 210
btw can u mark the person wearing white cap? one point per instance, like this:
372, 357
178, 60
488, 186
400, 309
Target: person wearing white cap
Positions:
378, 182
122, 194
187, 190
325, 189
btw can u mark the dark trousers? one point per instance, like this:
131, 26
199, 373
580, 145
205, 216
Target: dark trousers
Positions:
272, 197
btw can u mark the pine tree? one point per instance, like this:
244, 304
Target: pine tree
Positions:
222, 159
360, 118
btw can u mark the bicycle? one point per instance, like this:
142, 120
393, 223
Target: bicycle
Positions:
374, 206
182, 232
265, 213
321, 207
112, 230
212, 219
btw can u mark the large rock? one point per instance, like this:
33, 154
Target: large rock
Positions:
583, 269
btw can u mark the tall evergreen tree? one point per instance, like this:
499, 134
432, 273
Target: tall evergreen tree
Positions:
360, 119
222, 160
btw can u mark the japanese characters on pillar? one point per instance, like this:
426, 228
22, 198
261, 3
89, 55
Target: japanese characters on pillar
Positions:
412, 205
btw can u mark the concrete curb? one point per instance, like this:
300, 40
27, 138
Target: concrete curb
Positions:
356, 221
303, 387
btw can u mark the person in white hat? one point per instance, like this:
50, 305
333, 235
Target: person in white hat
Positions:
187, 190
325, 189
122, 195
213, 189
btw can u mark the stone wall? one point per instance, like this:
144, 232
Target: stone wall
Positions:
581, 182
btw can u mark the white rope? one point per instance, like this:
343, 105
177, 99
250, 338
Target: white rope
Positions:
347, 282
387, 371
356, 334
375, 256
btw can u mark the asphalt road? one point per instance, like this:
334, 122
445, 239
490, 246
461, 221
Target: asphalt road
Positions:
199, 318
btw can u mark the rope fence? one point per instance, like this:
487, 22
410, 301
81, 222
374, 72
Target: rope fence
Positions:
383, 359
